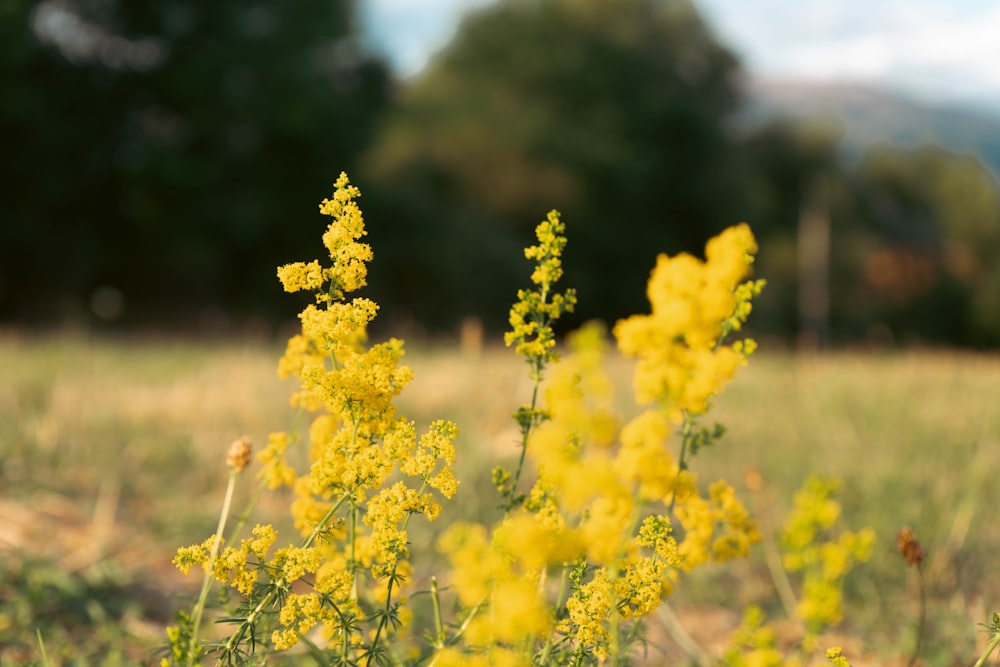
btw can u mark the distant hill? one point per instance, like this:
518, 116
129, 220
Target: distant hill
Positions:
869, 116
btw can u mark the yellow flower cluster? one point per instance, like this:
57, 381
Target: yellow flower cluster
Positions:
823, 556
350, 257
695, 304
824, 559
604, 490
716, 529
755, 643
532, 315
353, 521
487, 577
609, 521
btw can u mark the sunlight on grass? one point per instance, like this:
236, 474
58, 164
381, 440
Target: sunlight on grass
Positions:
125, 441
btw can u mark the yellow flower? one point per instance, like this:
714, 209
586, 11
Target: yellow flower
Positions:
601, 530
275, 471
644, 459
490, 657
341, 239
197, 554
589, 610
730, 255
474, 563
824, 558
537, 540
231, 568
532, 315
836, 658
295, 562
718, 529
517, 612
681, 361
299, 276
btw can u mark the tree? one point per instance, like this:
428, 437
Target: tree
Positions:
790, 173
925, 264
615, 112
171, 151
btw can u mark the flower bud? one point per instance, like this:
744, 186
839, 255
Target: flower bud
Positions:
239, 454
909, 548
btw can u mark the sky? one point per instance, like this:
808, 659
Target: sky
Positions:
937, 51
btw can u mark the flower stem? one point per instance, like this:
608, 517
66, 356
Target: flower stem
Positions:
439, 635
526, 428
682, 459
772, 556
278, 584
994, 642
922, 625
206, 584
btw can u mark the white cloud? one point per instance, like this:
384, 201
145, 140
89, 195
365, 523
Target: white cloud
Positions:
945, 49
931, 48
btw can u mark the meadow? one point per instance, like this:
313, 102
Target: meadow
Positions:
112, 454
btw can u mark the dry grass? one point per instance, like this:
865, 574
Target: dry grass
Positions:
119, 447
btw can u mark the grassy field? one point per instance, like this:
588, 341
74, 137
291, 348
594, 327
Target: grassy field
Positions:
112, 455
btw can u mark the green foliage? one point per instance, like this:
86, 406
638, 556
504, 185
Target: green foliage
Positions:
80, 618
155, 159
159, 151
930, 227
615, 109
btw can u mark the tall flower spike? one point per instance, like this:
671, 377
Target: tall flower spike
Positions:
531, 317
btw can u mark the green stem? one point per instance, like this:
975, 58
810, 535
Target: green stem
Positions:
206, 584
547, 649
385, 617
526, 429
244, 517
384, 620
922, 625
682, 459
681, 636
772, 556
279, 584
458, 633
537, 371
994, 642
439, 634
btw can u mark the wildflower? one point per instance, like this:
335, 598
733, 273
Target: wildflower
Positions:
239, 454
536, 540
197, 554
755, 643
491, 657
824, 559
300, 276
576, 560
834, 655
640, 588
681, 361
909, 548
589, 610
531, 317
275, 472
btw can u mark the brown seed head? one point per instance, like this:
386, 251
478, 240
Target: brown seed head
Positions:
909, 547
239, 454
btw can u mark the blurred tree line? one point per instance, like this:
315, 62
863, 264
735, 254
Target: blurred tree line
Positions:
159, 159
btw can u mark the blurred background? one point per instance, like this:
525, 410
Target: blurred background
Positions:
160, 159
